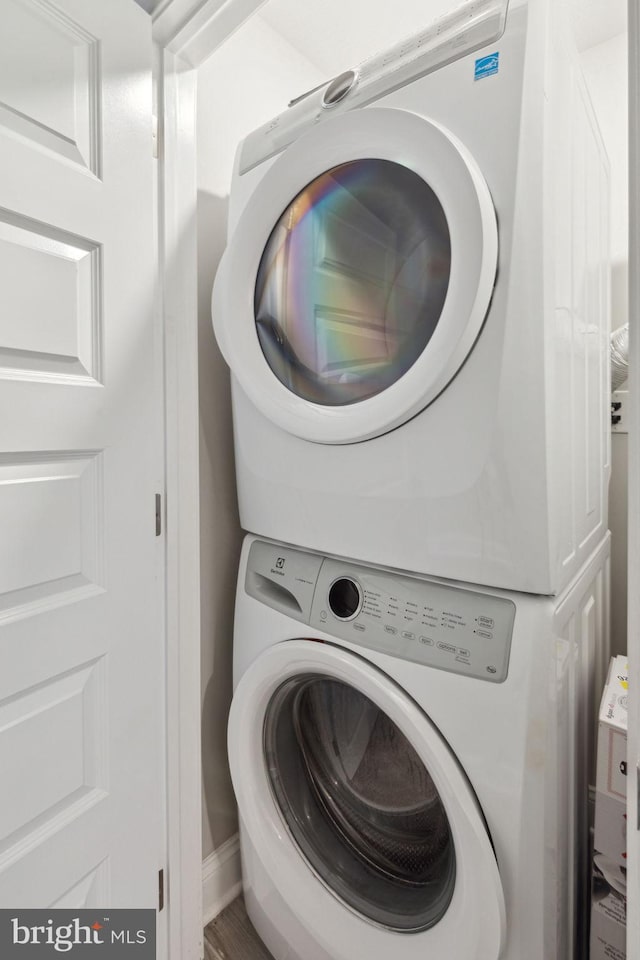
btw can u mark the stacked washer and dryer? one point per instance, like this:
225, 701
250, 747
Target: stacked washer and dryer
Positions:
414, 307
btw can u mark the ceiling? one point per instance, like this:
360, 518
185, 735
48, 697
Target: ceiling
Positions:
598, 20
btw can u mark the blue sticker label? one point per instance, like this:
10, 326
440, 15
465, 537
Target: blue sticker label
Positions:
487, 66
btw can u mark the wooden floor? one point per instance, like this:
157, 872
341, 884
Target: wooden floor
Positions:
230, 936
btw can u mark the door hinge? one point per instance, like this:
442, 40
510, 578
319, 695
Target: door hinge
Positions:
158, 514
160, 890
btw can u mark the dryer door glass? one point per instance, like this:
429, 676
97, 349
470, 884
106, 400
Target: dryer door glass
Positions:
352, 282
359, 803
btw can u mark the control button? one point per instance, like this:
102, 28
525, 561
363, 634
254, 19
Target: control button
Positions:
464, 653
345, 598
427, 640
486, 622
359, 626
339, 88
323, 614
484, 633
408, 635
448, 647
389, 629
463, 660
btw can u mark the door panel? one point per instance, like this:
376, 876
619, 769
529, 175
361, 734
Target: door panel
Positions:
49, 79
81, 641
51, 284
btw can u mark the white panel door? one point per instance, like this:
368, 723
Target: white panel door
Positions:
81, 643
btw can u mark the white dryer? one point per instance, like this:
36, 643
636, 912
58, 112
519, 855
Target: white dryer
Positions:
414, 307
411, 760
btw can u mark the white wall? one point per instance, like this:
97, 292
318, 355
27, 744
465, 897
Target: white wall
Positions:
247, 81
605, 70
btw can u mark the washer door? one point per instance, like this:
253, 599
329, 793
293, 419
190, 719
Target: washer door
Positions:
358, 277
359, 811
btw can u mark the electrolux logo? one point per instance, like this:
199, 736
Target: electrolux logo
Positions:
278, 569
42, 933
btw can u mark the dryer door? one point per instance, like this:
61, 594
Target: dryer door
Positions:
359, 811
358, 277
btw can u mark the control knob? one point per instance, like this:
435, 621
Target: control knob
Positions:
345, 598
339, 87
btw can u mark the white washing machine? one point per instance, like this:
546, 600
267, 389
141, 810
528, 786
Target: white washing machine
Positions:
411, 760
414, 307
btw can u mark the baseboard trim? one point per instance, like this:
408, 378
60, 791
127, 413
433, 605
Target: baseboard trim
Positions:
221, 878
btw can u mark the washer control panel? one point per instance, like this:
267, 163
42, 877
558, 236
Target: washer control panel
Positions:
431, 622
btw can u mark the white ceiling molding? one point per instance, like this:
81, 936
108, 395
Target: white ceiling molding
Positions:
193, 29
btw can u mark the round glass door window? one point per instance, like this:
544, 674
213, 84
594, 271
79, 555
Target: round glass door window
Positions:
360, 803
352, 282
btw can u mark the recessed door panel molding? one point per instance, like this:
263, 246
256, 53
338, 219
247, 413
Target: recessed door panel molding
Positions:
53, 755
49, 82
353, 247
51, 510
90, 891
51, 320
